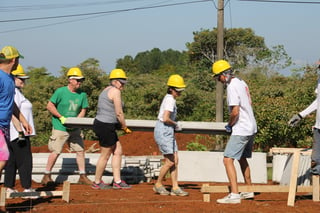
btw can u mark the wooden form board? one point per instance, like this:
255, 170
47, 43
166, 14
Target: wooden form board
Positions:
65, 194
291, 189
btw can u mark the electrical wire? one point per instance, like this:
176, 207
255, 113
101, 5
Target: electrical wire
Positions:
103, 12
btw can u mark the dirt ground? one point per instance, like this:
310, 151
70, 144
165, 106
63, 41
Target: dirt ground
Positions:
141, 198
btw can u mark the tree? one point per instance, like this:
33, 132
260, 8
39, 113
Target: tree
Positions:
241, 47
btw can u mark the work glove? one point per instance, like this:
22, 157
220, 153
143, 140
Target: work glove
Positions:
62, 119
295, 120
21, 137
178, 127
228, 128
126, 130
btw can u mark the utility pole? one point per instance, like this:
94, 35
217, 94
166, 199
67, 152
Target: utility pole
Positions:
219, 86
220, 41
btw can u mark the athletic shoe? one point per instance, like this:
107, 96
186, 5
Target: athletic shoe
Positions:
121, 185
160, 190
230, 198
247, 195
315, 170
100, 185
32, 194
178, 192
10, 193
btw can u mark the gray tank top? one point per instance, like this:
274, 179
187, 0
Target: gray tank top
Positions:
105, 111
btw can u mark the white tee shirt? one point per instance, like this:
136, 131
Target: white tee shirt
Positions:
314, 106
25, 107
169, 104
238, 95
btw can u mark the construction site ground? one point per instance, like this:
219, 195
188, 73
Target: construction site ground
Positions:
141, 198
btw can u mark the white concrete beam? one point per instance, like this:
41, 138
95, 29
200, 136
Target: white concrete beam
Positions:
148, 125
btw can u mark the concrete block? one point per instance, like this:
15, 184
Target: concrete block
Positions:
205, 166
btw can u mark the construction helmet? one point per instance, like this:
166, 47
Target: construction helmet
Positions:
10, 52
220, 66
75, 73
19, 72
117, 74
176, 81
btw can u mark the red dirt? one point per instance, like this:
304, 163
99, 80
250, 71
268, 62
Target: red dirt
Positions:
141, 198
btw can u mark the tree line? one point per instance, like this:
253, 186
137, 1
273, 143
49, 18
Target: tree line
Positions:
275, 97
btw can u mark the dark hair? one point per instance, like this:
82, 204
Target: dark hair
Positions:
169, 90
3, 59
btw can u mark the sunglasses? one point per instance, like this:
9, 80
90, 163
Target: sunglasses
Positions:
79, 80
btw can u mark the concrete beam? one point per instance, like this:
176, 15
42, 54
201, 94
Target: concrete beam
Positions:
148, 125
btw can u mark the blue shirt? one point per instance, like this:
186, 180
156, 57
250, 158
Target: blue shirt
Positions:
6, 98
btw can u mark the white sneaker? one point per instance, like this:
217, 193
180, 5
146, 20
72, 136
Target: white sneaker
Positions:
230, 198
33, 194
247, 195
9, 193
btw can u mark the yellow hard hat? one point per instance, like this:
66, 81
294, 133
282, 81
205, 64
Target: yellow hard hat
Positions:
10, 52
117, 74
75, 73
19, 72
220, 66
176, 81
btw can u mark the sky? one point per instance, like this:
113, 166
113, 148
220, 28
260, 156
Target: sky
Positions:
127, 27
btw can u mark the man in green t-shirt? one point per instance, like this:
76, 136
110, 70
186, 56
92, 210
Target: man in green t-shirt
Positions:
67, 101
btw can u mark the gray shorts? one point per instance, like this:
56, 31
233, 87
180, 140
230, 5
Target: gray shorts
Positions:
164, 137
239, 147
59, 138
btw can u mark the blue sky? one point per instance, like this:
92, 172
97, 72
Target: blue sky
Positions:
110, 36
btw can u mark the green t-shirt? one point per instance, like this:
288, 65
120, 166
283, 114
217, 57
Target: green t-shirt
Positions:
68, 104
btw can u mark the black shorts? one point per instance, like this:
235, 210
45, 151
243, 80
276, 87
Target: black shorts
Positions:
106, 133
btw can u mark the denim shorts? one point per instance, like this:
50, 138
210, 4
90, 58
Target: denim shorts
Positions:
164, 137
239, 146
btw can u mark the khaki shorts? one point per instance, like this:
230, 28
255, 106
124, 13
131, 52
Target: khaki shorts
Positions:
59, 138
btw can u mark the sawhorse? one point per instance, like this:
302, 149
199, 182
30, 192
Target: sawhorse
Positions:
65, 193
291, 189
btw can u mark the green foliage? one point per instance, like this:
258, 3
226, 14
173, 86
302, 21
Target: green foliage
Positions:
275, 98
195, 146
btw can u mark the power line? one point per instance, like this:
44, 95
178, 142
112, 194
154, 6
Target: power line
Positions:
290, 2
103, 12
30, 7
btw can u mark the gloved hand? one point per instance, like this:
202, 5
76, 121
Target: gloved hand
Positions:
21, 136
126, 130
295, 120
228, 128
62, 119
178, 127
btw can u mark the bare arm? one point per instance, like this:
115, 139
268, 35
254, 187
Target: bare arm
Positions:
21, 118
53, 109
115, 95
234, 115
16, 123
82, 113
166, 118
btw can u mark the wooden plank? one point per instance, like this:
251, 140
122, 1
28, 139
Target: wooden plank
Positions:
3, 196
293, 178
315, 184
206, 196
280, 150
66, 191
253, 188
